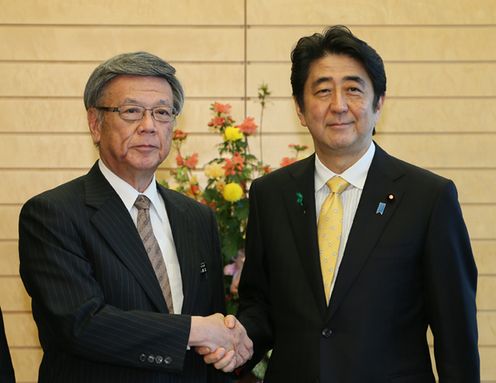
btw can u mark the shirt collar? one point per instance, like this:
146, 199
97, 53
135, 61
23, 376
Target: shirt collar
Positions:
127, 193
355, 175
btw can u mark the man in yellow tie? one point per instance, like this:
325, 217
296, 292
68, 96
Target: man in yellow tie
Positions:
351, 253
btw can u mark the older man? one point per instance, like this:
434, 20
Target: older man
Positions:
124, 274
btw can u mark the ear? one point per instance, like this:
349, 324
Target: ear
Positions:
299, 112
380, 103
95, 125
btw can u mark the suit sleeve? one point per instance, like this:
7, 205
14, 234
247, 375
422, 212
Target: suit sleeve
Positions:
451, 277
69, 305
254, 285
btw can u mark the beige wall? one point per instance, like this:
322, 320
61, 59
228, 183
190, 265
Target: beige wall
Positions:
440, 113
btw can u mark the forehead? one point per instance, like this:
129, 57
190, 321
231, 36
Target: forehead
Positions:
139, 88
336, 68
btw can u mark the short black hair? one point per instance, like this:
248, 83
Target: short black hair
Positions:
335, 40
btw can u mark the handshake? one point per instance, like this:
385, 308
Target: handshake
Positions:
221, 340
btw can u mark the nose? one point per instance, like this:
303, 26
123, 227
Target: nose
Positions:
147, 123
339, 103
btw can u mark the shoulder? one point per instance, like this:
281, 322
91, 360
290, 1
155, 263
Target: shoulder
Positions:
66, 193
413, 173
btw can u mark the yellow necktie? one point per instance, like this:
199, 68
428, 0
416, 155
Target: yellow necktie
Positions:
329, 230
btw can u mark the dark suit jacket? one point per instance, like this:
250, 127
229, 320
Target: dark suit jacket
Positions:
402, 271
100, 312
6, 369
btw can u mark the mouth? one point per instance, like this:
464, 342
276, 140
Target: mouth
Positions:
340, 125
145, 147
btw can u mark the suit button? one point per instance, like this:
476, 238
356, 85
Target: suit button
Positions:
151, 359
326, 333
167, 360
159, 359
142, 357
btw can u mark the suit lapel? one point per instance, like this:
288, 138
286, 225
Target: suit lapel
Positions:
299, 197
368, 225
184, 241
114, 223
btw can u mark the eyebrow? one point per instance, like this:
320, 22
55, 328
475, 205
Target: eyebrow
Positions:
136, 102
357, 79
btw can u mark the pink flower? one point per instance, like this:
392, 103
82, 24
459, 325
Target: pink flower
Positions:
248, 126
287, 161
191, 161
221, 108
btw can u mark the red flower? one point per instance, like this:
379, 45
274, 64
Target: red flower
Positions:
195, 189
287, 161
179, 135
248, 126
221, 108
179, 160
217, 121
191, 161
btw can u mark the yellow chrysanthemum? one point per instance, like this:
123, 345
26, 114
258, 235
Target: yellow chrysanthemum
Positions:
232, 192
214, 170
232, 134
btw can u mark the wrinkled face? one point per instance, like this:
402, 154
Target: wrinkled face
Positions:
338, 111
132, 149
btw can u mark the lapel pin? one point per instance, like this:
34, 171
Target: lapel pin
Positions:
380, 208
390, 197
299, 199
203, 268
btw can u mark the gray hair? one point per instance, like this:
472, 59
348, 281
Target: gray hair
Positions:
133, 64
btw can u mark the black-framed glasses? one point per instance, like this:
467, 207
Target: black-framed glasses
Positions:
133, 113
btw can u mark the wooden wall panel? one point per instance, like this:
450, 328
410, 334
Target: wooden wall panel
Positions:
485, 256
13, 295
403, 43
49, 43
486, 293
22, 329
356, 12
129, 13
9, 260
38, 79
26, 362
439, 150
8, 223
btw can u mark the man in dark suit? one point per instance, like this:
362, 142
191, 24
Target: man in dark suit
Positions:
125, 275
354, 307
6, 369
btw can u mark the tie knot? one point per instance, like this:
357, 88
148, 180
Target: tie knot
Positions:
337, 184
142, 202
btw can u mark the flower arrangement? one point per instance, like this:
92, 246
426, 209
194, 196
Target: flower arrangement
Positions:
228, 179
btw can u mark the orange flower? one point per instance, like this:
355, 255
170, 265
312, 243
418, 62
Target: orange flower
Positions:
217, 121
287, 161
179, 160
221, 108
191, 161
248, 126
179, 135
238, 161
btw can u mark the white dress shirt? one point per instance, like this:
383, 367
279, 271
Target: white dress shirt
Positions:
160, 224
350, 197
